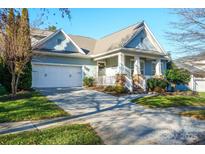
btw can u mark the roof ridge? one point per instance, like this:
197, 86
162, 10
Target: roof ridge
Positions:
138, 23
42, 29
84, 36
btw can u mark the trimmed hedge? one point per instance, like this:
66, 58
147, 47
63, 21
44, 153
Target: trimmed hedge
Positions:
119, 89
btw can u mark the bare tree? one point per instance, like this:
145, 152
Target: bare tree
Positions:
188, 32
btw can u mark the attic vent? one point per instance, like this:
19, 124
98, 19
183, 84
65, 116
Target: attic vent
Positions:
59, 41
141, 40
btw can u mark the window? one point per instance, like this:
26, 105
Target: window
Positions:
111, 62
142, 67
163, 67
59, 41
131, 64
153, 67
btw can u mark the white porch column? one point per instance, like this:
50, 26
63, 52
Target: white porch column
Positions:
158, 67
121, 62
136, 65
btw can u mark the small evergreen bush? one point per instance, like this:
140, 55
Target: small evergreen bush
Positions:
119, 89
109, 88
157, 85
88, 81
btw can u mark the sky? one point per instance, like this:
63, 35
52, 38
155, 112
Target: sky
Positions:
98, 22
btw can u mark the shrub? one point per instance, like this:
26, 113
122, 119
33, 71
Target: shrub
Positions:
25, 80
177, 76
119, 89
157, 85
2, 90
88, 81
109, 88
5, 77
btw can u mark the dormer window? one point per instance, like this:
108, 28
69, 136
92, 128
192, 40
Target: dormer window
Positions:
59, 41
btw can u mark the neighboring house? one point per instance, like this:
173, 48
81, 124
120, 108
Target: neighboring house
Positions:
196, 66
63, 60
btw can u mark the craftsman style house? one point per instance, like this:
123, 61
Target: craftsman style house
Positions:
63, 60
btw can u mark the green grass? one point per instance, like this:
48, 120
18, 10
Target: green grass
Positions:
2, 91
28, 106
197, 114
171, 101
202, 94
63, 135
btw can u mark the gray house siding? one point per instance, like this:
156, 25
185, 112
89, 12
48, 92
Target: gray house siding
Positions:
59, 43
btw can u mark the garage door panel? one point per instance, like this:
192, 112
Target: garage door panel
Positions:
56, 76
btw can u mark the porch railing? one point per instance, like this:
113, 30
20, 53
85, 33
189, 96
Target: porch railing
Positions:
125, 70
111, 80
106, 80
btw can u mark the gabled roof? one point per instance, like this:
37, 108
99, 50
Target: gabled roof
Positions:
45, 39
113, 41
87, 44
117, 39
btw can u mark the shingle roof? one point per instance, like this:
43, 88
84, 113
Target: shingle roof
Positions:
191, 67
117, 39
85, 43
109, 42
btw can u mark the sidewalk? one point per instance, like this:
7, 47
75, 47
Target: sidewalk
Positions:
15, 127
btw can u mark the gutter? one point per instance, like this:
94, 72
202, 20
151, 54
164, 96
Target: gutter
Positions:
60, 54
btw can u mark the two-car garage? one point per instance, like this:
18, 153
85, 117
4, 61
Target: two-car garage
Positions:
51, 75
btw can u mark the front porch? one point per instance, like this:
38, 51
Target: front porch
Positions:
136, 68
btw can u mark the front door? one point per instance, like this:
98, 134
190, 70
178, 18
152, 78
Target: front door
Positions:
101, 68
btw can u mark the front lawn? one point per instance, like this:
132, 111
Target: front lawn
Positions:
62, 135
28, 106
198, 114
171, 101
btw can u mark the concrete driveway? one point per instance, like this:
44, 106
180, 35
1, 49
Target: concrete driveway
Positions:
118, 121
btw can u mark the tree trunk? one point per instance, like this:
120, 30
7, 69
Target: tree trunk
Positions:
13, 80
16, 83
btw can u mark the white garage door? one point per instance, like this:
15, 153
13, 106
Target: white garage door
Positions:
56, 76
200, 85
